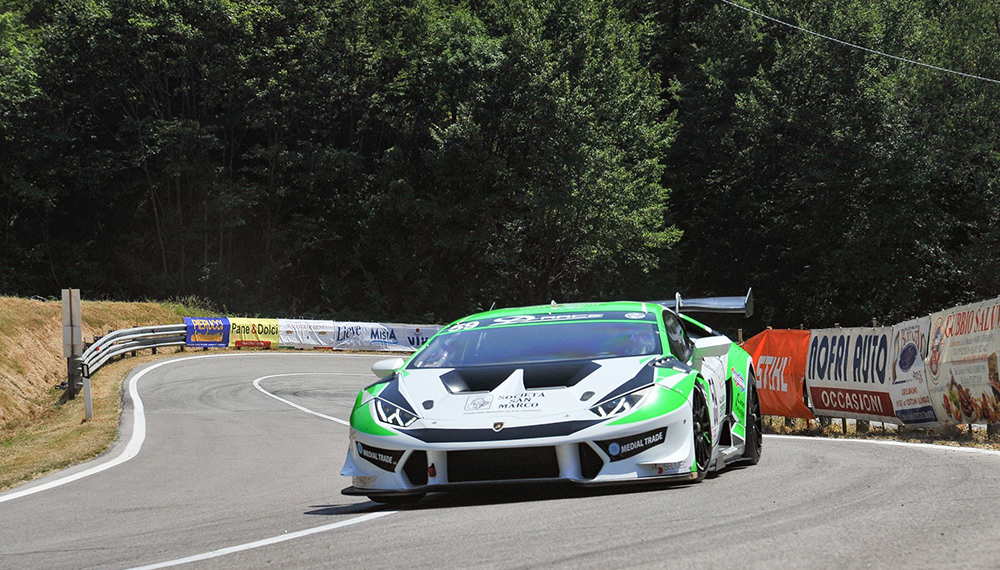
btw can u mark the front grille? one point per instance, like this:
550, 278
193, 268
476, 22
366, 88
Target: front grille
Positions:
416, 468
590, 462
502, 464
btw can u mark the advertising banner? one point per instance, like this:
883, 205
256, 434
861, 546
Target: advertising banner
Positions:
779, 358
257, 333
317, 334
910, 397
849, 374
207, 331
302, 333
962, 365
381, 336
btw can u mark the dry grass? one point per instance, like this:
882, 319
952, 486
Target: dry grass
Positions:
59, 437
951, 435
39, 434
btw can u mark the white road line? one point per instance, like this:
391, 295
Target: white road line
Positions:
933, 446
256, 384
139, 424
264, 542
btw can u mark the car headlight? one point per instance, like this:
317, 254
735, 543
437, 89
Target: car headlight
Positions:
621, 404
392, 414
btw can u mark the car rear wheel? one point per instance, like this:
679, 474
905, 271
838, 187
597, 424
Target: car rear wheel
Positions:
396, 499
701, 432
754, 424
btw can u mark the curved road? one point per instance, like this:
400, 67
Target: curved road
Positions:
232, 476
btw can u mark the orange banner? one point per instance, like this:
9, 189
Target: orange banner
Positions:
779, 358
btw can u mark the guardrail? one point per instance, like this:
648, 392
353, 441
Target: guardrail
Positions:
129, 340
114, 344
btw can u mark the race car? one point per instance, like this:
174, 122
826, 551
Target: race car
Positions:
583, 393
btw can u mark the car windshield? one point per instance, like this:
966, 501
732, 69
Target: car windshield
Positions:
538, 342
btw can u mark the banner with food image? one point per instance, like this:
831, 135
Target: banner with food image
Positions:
910, 396
848, 373
962, 373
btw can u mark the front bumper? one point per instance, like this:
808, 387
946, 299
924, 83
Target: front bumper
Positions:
659, 449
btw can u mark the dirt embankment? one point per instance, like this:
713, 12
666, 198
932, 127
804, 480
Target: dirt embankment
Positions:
31, 360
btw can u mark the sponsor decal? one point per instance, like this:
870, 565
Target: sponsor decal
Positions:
856, 401
635, 315
518, 319
739, 380
625, 447
363, 482
523, 401
207, 331
383, 336
664, 468
907, 357
386, 459
479, 403
257, 333
348, 332
937, 340
417, 339
771, 373
860, 358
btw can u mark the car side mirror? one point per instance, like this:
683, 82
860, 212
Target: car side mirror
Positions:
385, 368
711, 346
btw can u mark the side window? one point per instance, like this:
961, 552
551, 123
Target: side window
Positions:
680, 347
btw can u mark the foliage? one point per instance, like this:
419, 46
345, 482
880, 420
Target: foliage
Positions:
426, 158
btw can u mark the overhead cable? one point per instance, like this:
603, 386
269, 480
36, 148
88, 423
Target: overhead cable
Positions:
856, 46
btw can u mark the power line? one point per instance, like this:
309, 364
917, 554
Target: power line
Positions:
856, 46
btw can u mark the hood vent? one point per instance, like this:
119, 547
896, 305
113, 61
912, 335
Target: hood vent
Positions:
536, 375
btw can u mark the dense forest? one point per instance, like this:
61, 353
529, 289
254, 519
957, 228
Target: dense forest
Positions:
422, 159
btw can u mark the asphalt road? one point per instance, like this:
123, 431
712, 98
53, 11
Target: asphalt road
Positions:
230, 477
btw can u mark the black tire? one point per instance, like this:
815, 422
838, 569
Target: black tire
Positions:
397, 500
754, 424
701, 431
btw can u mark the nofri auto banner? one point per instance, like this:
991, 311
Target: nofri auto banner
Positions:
962, 371
910, 396
319, 334
257, 333
848, 372
779, 358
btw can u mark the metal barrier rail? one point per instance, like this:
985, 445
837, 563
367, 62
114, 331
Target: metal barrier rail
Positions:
129, 340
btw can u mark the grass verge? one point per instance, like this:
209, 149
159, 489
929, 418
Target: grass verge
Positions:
59, 437
951, 435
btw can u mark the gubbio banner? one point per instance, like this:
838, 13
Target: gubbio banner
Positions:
849, 375
779, 358
962, 366
910, 396
259, 333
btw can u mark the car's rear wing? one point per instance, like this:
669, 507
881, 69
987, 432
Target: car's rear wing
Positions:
737, 305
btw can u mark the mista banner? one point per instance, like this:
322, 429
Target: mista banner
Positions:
257, 333
779, 358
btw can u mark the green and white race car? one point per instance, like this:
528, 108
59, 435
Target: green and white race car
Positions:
586, 393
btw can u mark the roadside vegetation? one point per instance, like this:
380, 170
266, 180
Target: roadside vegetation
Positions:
948, 434
39, 430
422, 159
